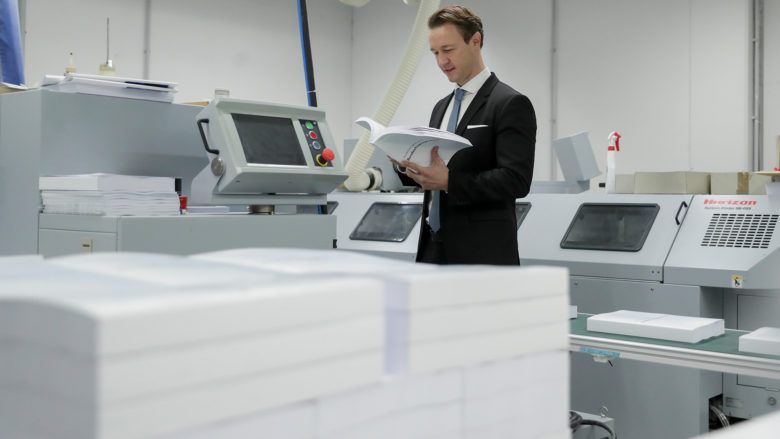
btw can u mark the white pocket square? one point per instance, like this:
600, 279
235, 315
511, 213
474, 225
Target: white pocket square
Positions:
468, 127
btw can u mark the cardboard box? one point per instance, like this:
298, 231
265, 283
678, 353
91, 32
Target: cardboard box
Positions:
738, 183
680, 182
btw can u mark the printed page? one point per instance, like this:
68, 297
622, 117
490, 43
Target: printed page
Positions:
413, 143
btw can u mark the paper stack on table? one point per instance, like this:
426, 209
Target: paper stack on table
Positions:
423, 405
132, 88
764, 340
441, 317
279, 343
108, 194
661, 326
144, 355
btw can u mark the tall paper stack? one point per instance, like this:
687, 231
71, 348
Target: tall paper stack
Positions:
232, 345
497, 403
422, 405
154, 358
465, 347
442, 317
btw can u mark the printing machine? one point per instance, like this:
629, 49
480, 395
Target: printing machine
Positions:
383, 223
379, 222
703, 255
44, 132
695, 255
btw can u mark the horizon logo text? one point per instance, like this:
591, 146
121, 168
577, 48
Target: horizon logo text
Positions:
731, 202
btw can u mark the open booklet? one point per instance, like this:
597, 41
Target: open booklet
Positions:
413, 143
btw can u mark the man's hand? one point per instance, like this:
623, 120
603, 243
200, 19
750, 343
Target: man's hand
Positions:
434, 177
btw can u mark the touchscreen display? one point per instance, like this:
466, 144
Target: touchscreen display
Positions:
268, 140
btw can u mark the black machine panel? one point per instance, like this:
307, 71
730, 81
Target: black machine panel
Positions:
268, 140
615, 227
390, 222
521, 210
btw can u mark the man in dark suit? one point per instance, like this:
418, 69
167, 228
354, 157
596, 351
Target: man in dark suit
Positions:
469, 204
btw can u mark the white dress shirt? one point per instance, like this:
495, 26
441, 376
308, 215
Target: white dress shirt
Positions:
471, 87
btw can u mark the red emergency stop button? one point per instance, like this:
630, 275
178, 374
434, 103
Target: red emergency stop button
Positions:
326, 156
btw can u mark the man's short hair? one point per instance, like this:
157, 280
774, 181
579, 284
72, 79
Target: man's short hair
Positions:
463, 18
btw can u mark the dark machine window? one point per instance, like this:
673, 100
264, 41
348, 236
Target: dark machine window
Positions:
521, 210
268, 140
387, 222
616, 227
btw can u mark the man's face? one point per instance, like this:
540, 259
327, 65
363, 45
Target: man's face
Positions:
459, 60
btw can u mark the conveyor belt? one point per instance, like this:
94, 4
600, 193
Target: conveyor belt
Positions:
719, 354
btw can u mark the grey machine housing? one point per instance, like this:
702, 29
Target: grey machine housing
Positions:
233, 178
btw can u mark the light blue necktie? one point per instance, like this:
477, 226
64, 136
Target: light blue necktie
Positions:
433, 215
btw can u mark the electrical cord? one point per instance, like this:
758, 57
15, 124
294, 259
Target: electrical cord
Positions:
724, 420
575, 421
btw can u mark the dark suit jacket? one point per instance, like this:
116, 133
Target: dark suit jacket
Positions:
478, 224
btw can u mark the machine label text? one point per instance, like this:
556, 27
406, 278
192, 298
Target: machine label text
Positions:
731, 202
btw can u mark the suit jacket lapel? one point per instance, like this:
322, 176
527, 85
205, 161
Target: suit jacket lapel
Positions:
438, 111
479, 100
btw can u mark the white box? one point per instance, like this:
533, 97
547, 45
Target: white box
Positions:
661, 326
764, 340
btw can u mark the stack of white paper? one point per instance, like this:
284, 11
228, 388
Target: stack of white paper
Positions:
442, 317
497, 402
764, 340
661, 326
490, 400
132, 88
296, 421
459, 316
149, 352
108, 194
424, 405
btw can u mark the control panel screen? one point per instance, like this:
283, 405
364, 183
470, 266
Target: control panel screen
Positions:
268, 140
616, 227
388, 222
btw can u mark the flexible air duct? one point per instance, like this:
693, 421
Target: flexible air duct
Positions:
418, 42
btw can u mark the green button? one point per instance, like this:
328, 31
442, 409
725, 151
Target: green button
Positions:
309, 125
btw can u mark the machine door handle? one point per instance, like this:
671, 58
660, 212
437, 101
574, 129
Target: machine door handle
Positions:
203, 136
679, 209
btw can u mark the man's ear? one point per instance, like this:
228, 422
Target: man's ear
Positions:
476, 39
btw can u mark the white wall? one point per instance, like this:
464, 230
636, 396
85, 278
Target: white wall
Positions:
672, 76
771, 83
56, 28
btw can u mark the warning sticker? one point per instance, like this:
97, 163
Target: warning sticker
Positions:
736, 281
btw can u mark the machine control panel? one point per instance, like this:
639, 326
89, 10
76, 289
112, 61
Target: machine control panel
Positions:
322, 155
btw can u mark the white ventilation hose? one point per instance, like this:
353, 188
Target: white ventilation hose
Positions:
418, 43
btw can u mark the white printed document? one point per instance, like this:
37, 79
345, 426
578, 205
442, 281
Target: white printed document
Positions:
413, 143
764, 340
661, 326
